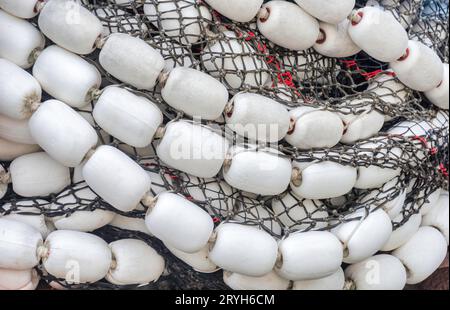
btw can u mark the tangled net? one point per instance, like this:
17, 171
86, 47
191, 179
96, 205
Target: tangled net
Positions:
243, 60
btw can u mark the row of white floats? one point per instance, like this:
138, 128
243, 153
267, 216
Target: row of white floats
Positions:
416, 65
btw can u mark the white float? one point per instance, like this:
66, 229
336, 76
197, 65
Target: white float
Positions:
23, 280
63, 133
291, 211
379, 272
245, 118
237, 10
422, 254
309, 255
172, 218
11, 150
184, 22
15, 130
192, 148
195, 93
22, 8
76, 257
35, 216
280, 21
439, 95
332, 12
378, 33
438, 216
70, 25
219, 61
131, 60
264, 172
132, 119
116, 178
20, 93
402, 234
363, 234
19, 39
244, 249
270, 281
66, 76
314, 128
420, 68
323, 180
19, 243
85, 220
38, 174
334, 40
134, 262
374, 176
334, 282
431, 200
199, 261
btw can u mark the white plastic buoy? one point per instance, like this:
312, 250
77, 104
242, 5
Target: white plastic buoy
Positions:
23, 280
70, 25
264, 172
134, 262
279, 22
309, 255
334, 40
313, 128
66, 76
378, 33
420, 68
243, 249
323, 180
364, 123
62, 132
379, 272
68, 255
422, 254
430, 201
291, 211
334, 282
116, 178
219, 61
244, 117
83, 220
23, 8
329, 11
131, 60
20, 93
30, 212
11, 150
195, 93
37, 174
363, 234
172, 219
192, 148
237, 10
438, 216
199, 261
270, 281
15, 130
130, 223
19, 40
184, 22
19, 244
373, 176
439, 95
132, 119
402, 234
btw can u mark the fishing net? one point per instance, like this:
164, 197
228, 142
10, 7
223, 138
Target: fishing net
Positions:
189, 33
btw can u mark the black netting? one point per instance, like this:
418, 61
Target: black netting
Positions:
189, 33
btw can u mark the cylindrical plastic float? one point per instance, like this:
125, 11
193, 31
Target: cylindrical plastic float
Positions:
11, 150
403, 233
15, 130
237, 10
23, 8
23, 280
438, 216
439, 95
199, 261
28, 212
270, 281
334, 282
132, 119
334, 40
330, 11
66, 76
172, 219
